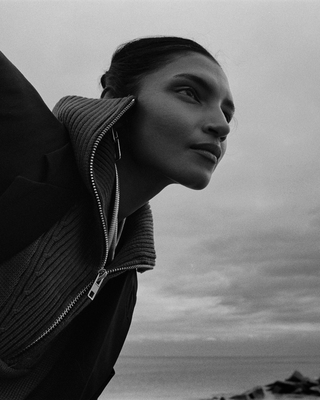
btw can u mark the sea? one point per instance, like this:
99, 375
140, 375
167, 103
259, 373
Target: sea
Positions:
202, 378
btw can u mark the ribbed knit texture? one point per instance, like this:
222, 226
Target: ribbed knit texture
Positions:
81, 115
40, 282
47, 281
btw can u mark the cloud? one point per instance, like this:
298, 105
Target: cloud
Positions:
261, 282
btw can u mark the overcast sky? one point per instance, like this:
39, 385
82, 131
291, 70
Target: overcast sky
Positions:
238, 269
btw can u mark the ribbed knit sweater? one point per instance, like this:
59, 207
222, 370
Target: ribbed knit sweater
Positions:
47, 283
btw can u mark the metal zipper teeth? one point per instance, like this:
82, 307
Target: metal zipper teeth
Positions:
104, 226
71, 305
58, 320
93, 183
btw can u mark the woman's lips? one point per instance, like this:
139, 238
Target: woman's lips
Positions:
207, 155
208, 150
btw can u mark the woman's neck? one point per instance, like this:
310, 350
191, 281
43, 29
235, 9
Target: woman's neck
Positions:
136, 188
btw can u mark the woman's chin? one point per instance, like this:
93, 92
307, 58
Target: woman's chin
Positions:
198, 184
192, 179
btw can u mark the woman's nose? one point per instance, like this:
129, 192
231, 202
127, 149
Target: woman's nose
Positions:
217, 125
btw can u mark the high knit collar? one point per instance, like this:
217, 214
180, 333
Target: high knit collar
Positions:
86, 119
88, 122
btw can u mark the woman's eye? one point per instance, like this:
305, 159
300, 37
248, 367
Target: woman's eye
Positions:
189, 92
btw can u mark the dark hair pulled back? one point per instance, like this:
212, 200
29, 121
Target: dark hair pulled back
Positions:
135, 59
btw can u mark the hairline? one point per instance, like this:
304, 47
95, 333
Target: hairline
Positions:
178, 53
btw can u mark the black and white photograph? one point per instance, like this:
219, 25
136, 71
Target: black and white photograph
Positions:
159, 199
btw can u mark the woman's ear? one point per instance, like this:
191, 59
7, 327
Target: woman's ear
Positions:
107, 93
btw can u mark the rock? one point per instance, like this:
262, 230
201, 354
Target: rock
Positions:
282, 387
297, 377
255, 393
296, 384
315, 391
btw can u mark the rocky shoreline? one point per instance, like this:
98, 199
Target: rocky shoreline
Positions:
296, 385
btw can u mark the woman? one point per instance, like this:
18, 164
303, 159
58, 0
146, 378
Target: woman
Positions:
76, 224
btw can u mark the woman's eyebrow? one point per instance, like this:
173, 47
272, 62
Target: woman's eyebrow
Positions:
196, 79
205, 86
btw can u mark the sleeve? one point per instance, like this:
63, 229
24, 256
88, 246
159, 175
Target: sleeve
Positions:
39, 180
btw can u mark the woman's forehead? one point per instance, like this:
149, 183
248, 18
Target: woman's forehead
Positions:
191, 65
190, 61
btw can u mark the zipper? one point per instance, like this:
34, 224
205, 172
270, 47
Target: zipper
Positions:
57, 320
102, 272
97, 283
94, 285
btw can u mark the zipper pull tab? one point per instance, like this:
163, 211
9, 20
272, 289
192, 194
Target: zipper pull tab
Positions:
97, 283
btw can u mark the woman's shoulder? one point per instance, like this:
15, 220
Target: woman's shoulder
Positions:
38, 178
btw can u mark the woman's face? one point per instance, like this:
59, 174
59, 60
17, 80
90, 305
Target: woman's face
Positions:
180, 122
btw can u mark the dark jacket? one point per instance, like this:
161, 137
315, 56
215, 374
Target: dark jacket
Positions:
57, 191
